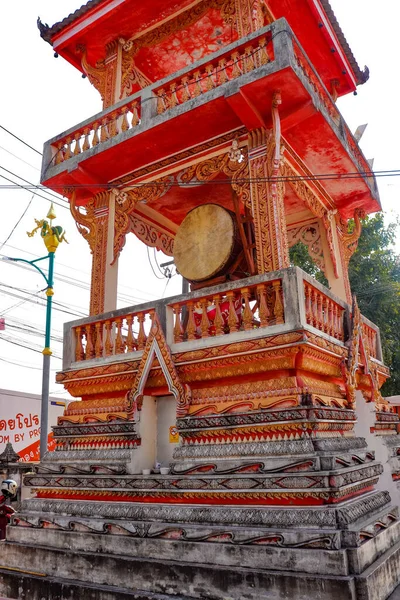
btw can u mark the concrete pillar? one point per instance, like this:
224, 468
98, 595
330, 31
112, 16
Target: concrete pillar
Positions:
104, 282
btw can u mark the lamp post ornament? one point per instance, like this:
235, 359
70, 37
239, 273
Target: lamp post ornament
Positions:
52, 236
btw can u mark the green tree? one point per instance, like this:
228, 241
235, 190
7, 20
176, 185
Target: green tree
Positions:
374, 273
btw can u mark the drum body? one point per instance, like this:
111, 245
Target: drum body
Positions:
207, 243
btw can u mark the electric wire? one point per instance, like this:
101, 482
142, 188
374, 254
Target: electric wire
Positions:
20, 140
17, 185
15, 343
35, 186
150, 263
25, 366
19, 158
17, 223
317, 177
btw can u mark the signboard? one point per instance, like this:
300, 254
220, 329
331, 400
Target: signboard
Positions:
20, 422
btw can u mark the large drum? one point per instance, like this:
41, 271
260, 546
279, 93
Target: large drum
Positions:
207, 243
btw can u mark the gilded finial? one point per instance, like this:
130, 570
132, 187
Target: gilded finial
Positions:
52, 213
52, 235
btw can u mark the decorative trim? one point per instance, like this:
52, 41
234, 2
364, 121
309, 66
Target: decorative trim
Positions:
157, 347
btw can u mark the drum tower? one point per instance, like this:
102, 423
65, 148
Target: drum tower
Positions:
218, 142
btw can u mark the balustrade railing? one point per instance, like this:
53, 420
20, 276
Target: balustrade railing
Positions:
223, 314
98, 131
323, 313
112, 336
216, 72
241, 309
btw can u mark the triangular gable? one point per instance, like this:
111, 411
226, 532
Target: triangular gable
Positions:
157, 347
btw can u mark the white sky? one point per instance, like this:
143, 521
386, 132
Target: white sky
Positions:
41, 97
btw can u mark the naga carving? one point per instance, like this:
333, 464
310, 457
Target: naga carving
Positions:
349, 238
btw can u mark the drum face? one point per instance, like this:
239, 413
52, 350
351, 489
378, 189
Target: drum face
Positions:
206, 243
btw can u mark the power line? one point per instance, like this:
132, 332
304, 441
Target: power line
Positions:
35, 186
17, 223
19, 158
20, 140
80, 284
24, 366
67, 312
152, 268
29, 188
15, 343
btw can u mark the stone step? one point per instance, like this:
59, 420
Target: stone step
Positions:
21, 586
229, 544
194, 581
344, 516
253, 473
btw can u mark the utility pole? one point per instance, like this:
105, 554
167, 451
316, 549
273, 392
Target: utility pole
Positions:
52, 236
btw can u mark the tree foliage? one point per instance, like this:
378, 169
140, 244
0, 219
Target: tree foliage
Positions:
374, 273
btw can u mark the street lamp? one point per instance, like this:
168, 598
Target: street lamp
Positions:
52, 237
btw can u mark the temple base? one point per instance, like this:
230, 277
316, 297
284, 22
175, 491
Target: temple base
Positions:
193, 549
104, 567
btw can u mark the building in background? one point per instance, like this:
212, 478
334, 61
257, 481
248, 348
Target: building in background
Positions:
20, 422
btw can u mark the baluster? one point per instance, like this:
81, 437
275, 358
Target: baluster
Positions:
330, 317
324, 314
205, 323
248, 60
161, 105
141, 338
186, 91
263, 53
319, 311
233, 321
314, 307
68, 152
340, 324
191, 325
197, 86
218, 320
124, 120
130, 338
335, 321
263, 311
98, 347
79, 349
119, 340
86, 142
104, 130
135, 113
59, 155
112, 127
222, 74
109, 345
90, 353
236, 69
247, 312
278, 306
307, 293
209, 77
77, 149
178, 327
95, 139
173, 98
